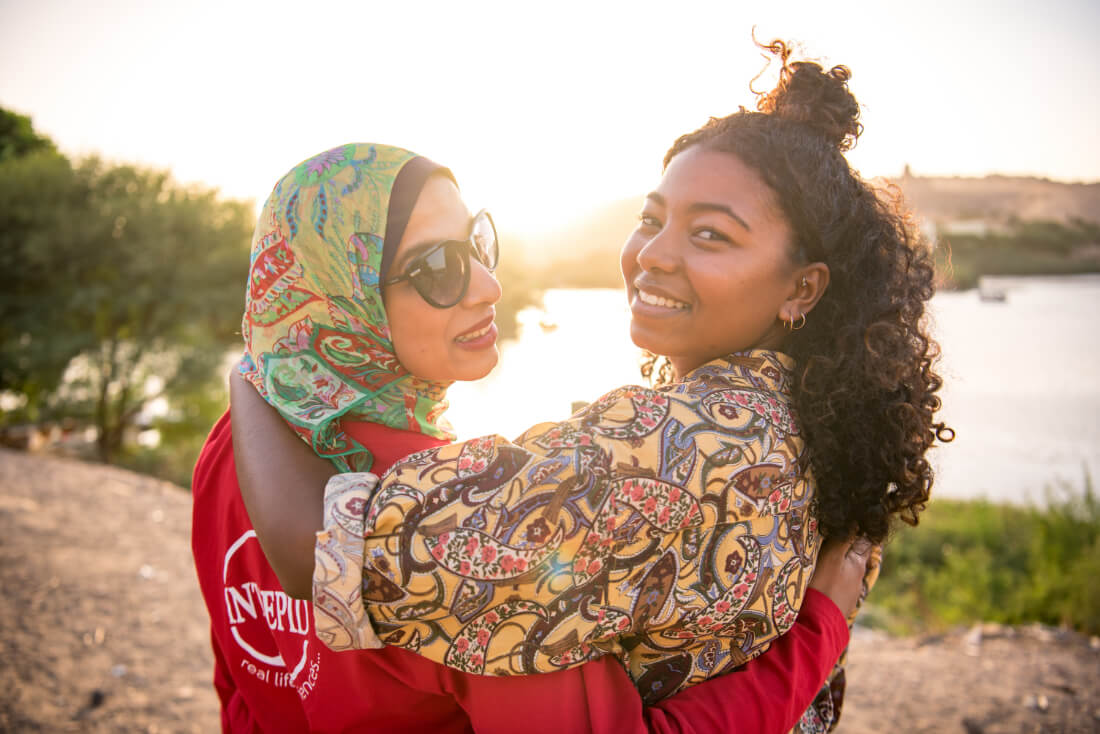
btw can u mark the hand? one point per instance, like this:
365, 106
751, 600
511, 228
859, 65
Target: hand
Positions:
839, 572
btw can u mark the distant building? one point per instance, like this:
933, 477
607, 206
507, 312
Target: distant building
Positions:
975, 227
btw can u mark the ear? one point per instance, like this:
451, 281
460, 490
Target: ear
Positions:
810, 282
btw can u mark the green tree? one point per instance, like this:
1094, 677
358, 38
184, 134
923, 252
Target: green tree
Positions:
42, 203
119, 286
18, 138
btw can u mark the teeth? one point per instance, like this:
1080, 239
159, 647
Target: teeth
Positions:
653, 300
475, 334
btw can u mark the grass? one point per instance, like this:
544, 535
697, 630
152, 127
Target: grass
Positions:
1025, 248
972, 561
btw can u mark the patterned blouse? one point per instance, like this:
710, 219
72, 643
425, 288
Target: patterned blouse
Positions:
669, 527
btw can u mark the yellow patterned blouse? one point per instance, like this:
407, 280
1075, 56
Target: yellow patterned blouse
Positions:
669, 527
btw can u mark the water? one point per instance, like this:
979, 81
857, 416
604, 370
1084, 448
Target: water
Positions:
1022, 379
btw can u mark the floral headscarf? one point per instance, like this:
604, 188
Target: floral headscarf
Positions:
317, 340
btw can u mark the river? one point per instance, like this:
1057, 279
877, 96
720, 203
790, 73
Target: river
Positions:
1022, 379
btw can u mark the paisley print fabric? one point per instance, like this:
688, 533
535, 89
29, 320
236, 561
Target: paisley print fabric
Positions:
669, 527
317, 341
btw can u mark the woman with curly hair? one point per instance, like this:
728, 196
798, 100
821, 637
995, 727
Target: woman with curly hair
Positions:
370, 291
676, 527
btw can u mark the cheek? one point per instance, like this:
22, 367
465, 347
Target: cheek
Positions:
415, 329
628, 258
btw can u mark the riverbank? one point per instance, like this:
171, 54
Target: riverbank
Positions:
103, 628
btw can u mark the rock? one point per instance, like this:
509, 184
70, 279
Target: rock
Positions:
1038, 703
973, 641
972, 727
995, 630
924, 640
1043, 633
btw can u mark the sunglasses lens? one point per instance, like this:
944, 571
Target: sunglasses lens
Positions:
443, 275
483, 235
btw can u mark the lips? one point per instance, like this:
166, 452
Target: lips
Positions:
482, 334
648, 297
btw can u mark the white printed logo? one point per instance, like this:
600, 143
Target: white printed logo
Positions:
255, 613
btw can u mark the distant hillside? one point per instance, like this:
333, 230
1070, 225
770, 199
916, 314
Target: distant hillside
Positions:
1000, 199
585, 252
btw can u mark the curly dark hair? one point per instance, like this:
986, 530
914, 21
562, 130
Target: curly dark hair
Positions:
865, 384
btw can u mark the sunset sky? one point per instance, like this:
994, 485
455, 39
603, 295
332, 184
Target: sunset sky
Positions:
542, 110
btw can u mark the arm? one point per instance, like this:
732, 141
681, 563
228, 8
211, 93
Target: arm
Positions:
769, 694
766, 697
773, 690
852, 568
646, 523
282, 484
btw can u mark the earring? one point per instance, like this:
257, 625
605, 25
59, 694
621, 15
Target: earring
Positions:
803, 283
790, 324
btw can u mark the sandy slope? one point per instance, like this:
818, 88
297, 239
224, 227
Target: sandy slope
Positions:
103, 629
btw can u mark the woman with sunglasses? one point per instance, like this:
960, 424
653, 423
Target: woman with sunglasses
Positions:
675, 528
370, 290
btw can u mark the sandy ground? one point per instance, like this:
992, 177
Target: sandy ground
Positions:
103, 628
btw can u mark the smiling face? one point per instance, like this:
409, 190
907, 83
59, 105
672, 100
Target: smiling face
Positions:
708, 270
441, 344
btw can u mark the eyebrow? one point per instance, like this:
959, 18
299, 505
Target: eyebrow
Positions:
706, 207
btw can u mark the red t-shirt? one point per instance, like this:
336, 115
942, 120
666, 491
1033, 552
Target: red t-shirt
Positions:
273, 675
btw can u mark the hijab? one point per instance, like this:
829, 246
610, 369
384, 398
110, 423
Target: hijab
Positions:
317, 340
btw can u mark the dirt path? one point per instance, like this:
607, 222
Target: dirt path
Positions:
103, 629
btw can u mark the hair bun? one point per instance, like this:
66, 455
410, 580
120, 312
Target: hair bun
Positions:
808, 94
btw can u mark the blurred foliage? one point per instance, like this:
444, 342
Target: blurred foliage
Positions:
117, 286
1024, 248
585, 253
183, 432
18, 138
972, 561
520, 284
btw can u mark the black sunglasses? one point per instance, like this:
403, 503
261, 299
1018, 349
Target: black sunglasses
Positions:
441, 274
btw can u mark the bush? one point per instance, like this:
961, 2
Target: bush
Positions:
975, 560
1025, 248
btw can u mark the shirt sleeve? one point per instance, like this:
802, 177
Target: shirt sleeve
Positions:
768, 695
340, 618
673, 532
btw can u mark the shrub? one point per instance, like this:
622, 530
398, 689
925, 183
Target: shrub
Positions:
975, 560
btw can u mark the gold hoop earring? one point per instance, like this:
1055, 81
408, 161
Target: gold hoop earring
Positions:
790, 324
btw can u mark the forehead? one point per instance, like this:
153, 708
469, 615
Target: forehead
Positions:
699, 176
439, 214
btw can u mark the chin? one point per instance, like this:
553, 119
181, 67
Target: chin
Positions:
481, 368
644, 340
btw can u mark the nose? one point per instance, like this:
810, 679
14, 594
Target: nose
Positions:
660, 252
484, 286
